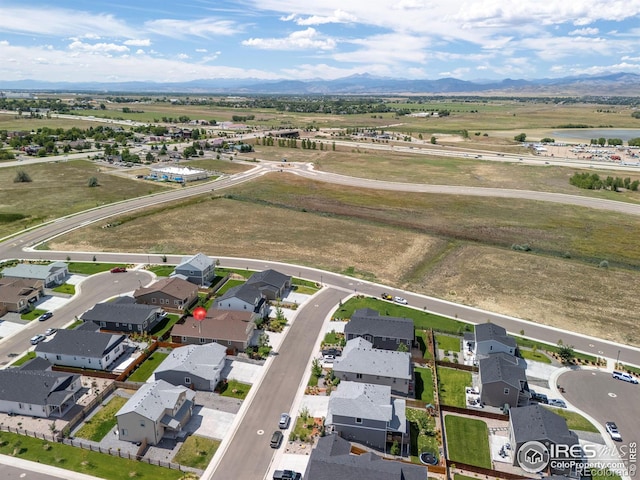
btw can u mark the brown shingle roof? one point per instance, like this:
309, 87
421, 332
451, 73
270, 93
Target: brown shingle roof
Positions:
218, 325
175, 287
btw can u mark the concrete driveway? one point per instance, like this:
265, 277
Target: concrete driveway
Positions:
210, 423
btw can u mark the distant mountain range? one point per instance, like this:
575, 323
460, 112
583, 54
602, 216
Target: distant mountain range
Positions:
615, 84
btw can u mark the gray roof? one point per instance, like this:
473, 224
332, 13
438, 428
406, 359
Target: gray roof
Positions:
359, 356
28, 270
122, 312
490, 331
269, 277
39, 387
331, 459
199, 261
246, 293
502, 367
367, 321
534, 422
361, 400
204, 361
153, 399
80, 342
36, 363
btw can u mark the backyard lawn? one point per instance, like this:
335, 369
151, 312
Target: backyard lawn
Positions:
227, 285
197, 452
448, 343
144, 371
423, 434
452, 383
422, 320
424, 384
422, 339
84, 461
165, 325
468, 441
102, 422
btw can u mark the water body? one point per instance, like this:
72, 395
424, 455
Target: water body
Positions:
588, 133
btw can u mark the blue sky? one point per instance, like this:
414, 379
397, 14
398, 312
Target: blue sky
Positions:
142, 40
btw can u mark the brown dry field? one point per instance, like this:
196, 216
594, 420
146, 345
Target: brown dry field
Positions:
419, 242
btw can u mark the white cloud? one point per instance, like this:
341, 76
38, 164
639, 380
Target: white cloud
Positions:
201, 50
140, 42
300, 40
338, 16
204, 27
97, 47
62, 22
140, 52
183, 56
585, 31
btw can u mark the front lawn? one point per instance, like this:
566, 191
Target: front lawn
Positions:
96, 464
66, 288
575, 421
452, 383
233, 389
333, 338
422, 320
424, 384
422, 434
24, 359
32, 315
162, 270
448, 343
144, 371
534, 356
102, 422
197, 452
468, 441
86, 268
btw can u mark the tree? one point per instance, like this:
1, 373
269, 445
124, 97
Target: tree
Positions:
402, 347
93, 182
22, 177
566, 353
520, 138
316, 368
433, 140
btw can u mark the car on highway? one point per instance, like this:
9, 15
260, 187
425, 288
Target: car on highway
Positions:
276, 439
45, 316
37, 339
118, 270
624, 377
285, 419
612, 430
50, 331
400, 300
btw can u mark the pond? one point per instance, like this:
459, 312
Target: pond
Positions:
587, 134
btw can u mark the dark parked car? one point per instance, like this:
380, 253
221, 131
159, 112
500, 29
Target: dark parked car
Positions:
286, 475
118, 270
335, 352
45, 316
276, 439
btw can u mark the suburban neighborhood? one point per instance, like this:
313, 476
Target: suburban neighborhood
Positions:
386, 396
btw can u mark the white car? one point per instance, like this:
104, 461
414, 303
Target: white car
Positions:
400, 300
612, 430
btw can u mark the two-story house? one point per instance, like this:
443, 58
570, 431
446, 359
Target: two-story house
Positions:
383, 332
362, 363
194, 366
492, 338
368, 414
198, 269
156, 410
503, 380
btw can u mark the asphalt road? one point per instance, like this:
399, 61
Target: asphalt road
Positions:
249, 454
606, 400
94, 289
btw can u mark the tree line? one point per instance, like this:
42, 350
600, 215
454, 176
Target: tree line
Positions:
592, 181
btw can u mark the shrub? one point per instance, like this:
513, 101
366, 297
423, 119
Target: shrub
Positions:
22, 177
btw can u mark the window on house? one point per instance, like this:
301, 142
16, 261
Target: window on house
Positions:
124, 432
142, 424
358, 420
397, 340
153, 300
20, 406
491, 347
229, 342
58, 357
103, 324
506, 391
203, 340
184, 339
187, 380
358, 375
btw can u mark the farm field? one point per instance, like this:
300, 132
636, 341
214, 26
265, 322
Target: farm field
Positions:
456, 248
